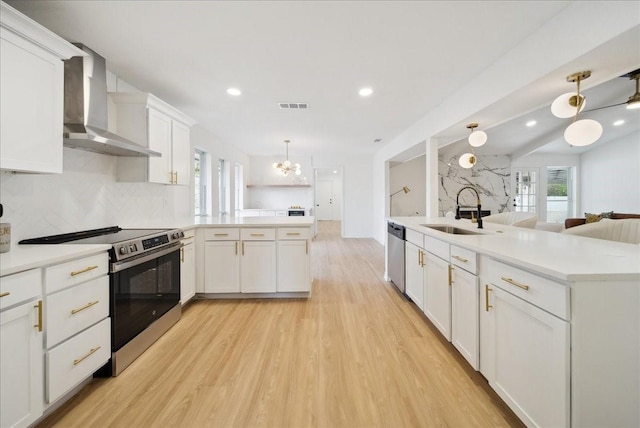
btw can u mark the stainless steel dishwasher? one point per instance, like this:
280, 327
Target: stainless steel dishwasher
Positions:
395, 254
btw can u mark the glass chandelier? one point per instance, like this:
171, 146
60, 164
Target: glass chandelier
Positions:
284, 168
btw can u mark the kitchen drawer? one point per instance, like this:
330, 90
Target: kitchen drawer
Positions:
74, 360
466, 259
226, 234
544, 293
65, 275
281, 213
20, 287
416, 238
294, 233
74, 309
258, 234
437, 247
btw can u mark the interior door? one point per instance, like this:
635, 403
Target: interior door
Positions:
324, 200
525, 185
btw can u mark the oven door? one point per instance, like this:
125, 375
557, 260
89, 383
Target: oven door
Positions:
295, 213
142, 290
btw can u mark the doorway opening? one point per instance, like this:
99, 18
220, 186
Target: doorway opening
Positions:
328, 201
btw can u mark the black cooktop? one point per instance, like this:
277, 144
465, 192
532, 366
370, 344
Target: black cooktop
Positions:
107, 235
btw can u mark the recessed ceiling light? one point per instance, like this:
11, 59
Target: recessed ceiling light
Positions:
365, 92
335, 172
618, 122
531, 123
234, 91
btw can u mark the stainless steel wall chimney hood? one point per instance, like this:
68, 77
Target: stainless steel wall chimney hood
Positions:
85, 109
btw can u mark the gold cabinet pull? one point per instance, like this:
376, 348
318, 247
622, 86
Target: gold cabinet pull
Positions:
236, 248
5, 294
82, 308
176, 180
182, 255
293, 233
243, 248
512, 282
306, 247
39, 307
170, 177
188, 237
257, 234
450, 275
486, 298
220, 234
462, 259
87, 269
87, 355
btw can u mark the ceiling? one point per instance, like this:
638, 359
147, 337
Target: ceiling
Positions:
413, 55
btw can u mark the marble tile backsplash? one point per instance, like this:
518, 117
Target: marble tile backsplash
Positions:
86, 196
491, 176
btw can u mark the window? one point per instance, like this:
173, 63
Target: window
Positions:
200, 179
239, 181
526, 189
559, 193
222, 188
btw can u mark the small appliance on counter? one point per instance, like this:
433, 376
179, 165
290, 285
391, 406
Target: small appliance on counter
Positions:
5, 234
296, 211
144, 286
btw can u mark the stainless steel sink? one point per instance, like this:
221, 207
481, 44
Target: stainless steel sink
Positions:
451, 229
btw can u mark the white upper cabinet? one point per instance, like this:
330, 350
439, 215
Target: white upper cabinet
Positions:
31, 99
152, 123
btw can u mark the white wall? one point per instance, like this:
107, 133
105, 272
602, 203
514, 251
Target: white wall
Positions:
509, 75
610, 177
412, 174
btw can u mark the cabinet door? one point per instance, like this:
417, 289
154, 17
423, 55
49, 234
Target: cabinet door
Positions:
414, 274
180, 153
187, 273
221, 267
464, 314
159, 134
21, 376
30, 107
531, 360
294, 266
258, 267
438, 293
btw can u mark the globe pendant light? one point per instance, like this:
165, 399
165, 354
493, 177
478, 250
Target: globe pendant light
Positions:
476, 138
634, 100
284, 168
467, 160
580, 132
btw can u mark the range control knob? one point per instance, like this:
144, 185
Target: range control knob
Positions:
123, 250
132, 247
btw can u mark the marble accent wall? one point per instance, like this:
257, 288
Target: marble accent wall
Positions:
491, 176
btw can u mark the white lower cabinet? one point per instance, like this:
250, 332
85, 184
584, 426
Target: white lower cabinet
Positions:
187, 269
464, 315
531, 351
79, 357
21, 378
437, 297
294, 266
222, 267
258, 267
414, 274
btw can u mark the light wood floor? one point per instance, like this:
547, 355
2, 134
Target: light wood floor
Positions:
356, 354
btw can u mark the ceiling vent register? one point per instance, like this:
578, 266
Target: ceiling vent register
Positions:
293, 105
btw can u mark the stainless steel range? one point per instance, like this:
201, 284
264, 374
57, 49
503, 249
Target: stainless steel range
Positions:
144, 284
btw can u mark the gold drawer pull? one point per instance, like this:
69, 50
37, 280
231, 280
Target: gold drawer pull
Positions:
87, 306
463, 260
257, 234
450, 275
486, 297
84, 357
293, 233
5, 294
78, 272
220, 234
187, 237
39, 308
512, 282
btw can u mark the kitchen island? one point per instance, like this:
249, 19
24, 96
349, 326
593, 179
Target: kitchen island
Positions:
551, 320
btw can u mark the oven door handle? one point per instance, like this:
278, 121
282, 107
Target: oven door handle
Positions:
126, 264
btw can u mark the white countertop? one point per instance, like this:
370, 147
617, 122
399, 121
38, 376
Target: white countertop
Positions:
25, 257
560, 256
